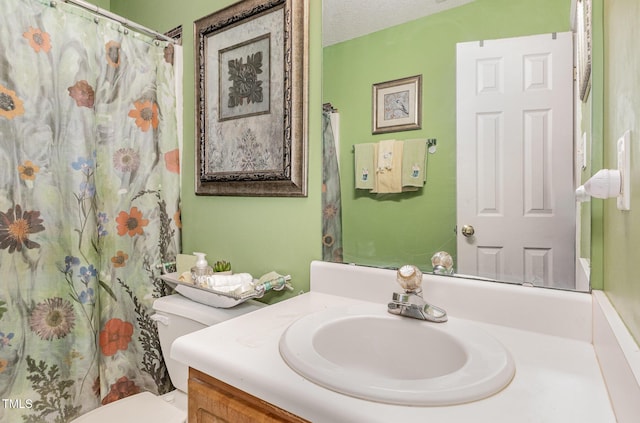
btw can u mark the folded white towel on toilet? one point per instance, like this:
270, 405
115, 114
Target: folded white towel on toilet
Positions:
229, 283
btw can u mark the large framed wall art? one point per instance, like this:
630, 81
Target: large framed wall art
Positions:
251, 90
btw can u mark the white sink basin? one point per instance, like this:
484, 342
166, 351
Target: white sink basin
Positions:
365, 352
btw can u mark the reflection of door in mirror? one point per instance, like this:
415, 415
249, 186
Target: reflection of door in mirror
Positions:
410, 227
514, 147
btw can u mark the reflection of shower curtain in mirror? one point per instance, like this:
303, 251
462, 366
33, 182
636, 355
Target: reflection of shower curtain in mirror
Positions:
89, 197
331, 206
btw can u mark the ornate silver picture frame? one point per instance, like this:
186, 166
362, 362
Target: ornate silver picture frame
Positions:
251, 90
584, 47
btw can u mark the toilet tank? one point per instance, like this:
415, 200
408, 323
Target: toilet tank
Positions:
177, 316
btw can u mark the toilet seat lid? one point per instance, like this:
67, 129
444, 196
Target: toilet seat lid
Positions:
142, 407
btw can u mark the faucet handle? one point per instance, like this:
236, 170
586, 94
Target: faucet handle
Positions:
409, 277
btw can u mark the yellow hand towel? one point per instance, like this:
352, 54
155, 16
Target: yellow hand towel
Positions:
414, 160
389, 180
385, 155
364, 166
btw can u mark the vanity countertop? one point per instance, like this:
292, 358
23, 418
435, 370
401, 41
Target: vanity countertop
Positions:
557, 378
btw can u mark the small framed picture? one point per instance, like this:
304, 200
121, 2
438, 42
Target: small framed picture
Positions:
397, 105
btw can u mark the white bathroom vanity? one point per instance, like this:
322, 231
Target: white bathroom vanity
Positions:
549, 333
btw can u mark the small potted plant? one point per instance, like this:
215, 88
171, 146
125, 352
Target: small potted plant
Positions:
222, 267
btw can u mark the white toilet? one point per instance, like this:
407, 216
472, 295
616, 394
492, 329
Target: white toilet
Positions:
176, 316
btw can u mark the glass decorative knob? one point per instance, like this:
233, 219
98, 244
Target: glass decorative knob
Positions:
409, 277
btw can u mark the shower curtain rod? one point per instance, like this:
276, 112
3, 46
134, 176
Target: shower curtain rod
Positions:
119, 19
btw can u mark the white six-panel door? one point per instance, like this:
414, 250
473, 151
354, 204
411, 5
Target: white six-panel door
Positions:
515, 159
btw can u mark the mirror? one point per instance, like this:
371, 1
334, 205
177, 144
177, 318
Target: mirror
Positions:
390, 230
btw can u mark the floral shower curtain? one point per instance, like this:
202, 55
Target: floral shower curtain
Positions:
331, 203
89, 207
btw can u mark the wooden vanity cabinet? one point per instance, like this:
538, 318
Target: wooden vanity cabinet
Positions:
211, 400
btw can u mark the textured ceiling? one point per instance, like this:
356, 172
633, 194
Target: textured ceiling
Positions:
346, 19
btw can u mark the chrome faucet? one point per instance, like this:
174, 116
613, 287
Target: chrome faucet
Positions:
410, 302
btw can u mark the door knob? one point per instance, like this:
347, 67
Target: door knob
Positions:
467, 230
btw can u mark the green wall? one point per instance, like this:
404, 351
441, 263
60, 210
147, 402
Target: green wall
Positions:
621, 113
256, 234
103, 4
398, 228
